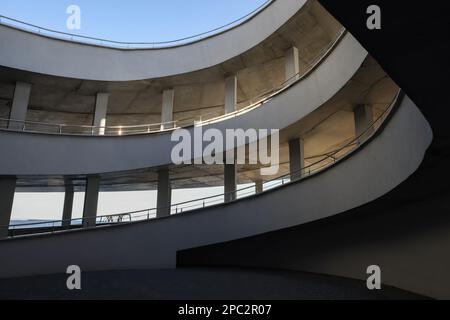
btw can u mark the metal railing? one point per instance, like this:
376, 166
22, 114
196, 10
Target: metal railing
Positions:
25, 26
327, 160
205, 119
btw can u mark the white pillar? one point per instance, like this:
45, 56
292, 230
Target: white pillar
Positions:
296, 158
91, 201
230, 94
101, 109
164, 196
68, 206
7, 191
230, 182
19, 106
292, 65
167, 109
363, 120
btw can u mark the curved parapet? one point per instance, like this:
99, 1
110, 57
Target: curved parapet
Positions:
376, 167
37, 53
71, 155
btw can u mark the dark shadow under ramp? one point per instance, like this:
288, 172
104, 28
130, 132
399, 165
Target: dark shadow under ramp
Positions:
194, 284
406, 232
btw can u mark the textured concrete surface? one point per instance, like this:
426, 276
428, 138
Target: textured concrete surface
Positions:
198, 93
69, 155
326, 129
204, 284
139, 245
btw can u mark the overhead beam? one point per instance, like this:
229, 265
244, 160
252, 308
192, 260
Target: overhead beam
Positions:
19, 107
296, 158
7, 192
101, 110
363, 115
230, 182
292, 65
167, 109
164, 196
91, 201
68, 205
230, 94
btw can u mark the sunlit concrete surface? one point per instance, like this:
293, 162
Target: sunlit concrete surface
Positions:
326, 129
198, 93
75, 155
99, 63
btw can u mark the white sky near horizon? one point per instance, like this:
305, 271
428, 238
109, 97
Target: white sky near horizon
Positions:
49, 206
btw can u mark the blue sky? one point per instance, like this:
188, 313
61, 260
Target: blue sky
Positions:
132, 20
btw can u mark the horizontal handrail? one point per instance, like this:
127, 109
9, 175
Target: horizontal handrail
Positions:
18, 24
314, 168
255, 102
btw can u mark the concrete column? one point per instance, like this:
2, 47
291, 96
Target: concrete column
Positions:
91, 201
68, 206
167, 109
230, 182
101, 109
259, 186
363, 120
7, 190
292, 65
19, 106
296, 158
230, 94
164, 198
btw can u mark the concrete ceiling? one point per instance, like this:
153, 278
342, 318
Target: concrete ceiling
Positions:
201, 93
329, 127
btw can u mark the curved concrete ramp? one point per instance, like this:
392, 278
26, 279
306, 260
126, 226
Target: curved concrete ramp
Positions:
36, 53
377, 167
47, 154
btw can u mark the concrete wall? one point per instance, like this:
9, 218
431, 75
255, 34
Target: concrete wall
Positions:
32, 52
46, 154
370, 172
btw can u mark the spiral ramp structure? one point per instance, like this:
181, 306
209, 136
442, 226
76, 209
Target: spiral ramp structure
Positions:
350, 137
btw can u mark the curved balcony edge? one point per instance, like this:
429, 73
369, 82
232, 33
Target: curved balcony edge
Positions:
90, 62
44, 154
381, 164
159, 127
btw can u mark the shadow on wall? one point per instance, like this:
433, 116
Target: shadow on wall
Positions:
406, 233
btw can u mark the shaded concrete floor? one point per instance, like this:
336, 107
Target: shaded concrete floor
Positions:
195, 284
